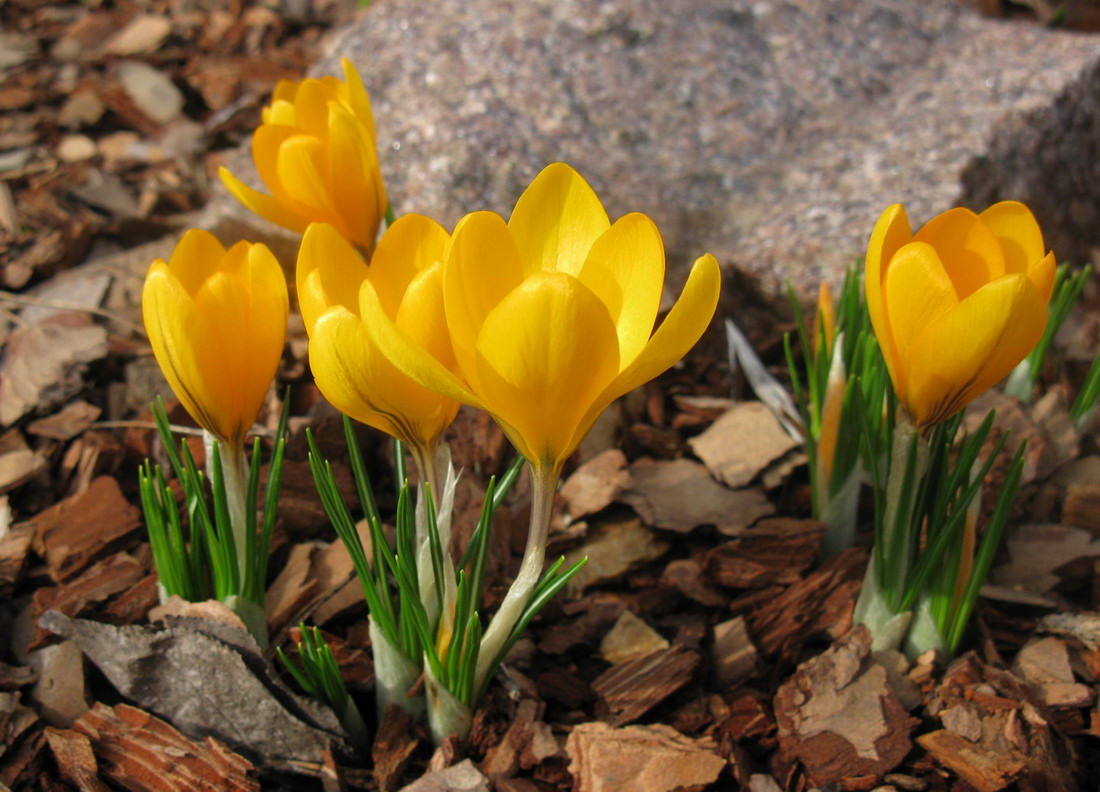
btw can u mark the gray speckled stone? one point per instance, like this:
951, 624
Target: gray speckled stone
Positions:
769, 133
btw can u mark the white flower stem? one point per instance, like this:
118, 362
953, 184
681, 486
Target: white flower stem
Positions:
447, 715
235, 475
394, 674
544, 485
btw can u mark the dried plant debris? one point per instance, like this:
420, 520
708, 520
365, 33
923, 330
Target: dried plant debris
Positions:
205, 684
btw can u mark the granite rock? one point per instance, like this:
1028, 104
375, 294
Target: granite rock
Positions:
771, 133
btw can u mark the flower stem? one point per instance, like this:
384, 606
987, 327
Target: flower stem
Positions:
544, 485
235, 475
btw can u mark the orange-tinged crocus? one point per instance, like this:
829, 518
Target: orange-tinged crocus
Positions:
551, 314
958, 304
405, 277
315, 151
216, 320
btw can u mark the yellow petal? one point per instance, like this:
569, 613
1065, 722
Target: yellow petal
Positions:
626, 270
545, 353
557, 220
412, 244
683, 326
409, 358
422, 318
301, 166
973, 347
329, 273
352, 161
267, 140
1018, 234
357, 97
311, 108
1042, 275
917, 292
196, 257
359, 381
891, 232
167, 310
970, 253
482, 267
262, 204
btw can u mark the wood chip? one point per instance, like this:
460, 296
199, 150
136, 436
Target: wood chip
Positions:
138, 751
596, 484
630, 637
822, 601
73, 419
80, 596
60, 691
686, 575
14, 546
741, 444
18, 466
1042, 556
1044, 661
635, 686
773, 551
733, 655
144, 33
639, 758
75, 759
82, 528
750, 720
839, 717
526, 744
986, 772
462, 777
45, 363
292, 588
613, 548
393, 747
680, 495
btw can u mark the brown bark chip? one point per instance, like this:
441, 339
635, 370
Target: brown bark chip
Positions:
839, 717
75, 759
14, 546
775, 550
140, 752
635, 686
639, 758
596, 484
393, 747
87, 526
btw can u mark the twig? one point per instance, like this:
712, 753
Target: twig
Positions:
63, 305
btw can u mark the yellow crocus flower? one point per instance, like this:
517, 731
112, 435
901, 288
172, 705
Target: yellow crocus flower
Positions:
551, 314
550, 317
958, 304
315, 151
216, 320
405, 278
